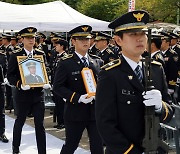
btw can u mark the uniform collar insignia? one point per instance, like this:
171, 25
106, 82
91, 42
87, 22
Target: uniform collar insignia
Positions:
138, 16
130, 77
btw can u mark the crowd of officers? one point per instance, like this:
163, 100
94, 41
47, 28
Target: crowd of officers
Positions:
165, 49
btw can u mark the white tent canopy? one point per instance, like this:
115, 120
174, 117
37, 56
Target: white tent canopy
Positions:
52, 16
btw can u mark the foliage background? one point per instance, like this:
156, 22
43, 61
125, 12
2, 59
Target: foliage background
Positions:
161, 10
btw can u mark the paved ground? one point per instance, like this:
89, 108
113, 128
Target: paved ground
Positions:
56, 132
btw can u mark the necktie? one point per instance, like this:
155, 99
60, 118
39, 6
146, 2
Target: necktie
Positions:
84, 61
138, 72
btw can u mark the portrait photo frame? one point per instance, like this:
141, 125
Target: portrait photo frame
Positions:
32, 71
89, 81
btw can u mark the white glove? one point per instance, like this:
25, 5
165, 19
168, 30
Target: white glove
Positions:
46, 86
26, 87
85, 100
5, 81
153, 97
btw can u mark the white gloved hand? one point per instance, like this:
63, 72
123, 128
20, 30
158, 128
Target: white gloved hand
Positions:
85, 100
5, 81
46, 86
153, 97
26, 87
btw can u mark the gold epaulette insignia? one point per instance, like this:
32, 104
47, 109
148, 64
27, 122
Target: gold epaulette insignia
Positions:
155, 62
158, 56
16, 51
39, 50
172, 51
95, 56
109, 51
173, 83
111, 64
2, 52
67, 56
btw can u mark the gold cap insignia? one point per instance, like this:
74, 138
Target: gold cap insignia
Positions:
130, 77
30, 30
138, 16
84, 29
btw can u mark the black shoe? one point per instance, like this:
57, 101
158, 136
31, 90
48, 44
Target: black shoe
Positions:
16, 150
4, 139
60, 126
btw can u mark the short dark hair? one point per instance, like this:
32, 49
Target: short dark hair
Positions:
63, 43
157, 42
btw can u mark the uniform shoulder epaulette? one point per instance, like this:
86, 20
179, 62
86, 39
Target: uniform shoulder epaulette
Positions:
67, 56
2, 52
109, 51
172, 51
94, 56
111, 64
16, 51
39, 50
159, 56
155, 62
178, 45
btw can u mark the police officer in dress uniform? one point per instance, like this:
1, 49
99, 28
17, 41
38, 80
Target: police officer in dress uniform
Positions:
61, 47
171, 62
3, 137
120, 101
93, 50
26, 97
68, 84
156, 54
8, 48
102, 42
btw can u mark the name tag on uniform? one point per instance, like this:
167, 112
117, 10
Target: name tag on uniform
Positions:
127, 92
89, 81
76, 72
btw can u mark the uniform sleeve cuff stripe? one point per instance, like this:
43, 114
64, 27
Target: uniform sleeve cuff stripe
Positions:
130, 148
166, 110
17, 83
72, 96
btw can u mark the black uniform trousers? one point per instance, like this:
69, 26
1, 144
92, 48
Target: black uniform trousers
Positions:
59, 109
74, 131
2, 116
38, 113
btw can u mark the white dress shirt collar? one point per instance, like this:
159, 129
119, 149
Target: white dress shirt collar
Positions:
28, 52
132, 63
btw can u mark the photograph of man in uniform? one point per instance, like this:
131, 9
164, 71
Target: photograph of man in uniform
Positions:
32, 77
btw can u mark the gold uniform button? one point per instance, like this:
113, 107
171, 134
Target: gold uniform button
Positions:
128, 102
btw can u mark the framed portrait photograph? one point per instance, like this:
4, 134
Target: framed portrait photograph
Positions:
89, 81
32, 71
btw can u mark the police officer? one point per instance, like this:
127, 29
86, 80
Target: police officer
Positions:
27, 98
93, 50
61, 47
120, 104
3, 137
102, 42
8, 48
156, 54
171, 62
68, 84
